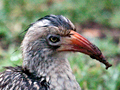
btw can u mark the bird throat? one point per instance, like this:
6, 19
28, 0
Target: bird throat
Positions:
54, 69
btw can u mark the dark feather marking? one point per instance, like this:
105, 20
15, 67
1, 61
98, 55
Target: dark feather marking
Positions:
58, 21
25, 75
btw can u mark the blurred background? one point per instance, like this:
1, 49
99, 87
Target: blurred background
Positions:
97, 20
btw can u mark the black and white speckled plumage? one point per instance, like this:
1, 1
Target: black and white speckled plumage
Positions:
15, 78
43, 68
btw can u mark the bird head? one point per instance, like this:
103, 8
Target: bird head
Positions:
55, 34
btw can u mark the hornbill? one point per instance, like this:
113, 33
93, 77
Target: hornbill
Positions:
44, 50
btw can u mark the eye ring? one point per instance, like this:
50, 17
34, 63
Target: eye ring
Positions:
54, 39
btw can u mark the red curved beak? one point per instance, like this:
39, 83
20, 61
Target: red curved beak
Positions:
77, 43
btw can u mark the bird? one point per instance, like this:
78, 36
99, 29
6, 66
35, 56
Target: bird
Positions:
44, 53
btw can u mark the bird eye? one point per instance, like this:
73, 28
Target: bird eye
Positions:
54, 39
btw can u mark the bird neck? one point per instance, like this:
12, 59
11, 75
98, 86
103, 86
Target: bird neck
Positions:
41, 62
55, 68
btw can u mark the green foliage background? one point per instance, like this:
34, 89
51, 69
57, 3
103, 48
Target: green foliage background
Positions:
16, 15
